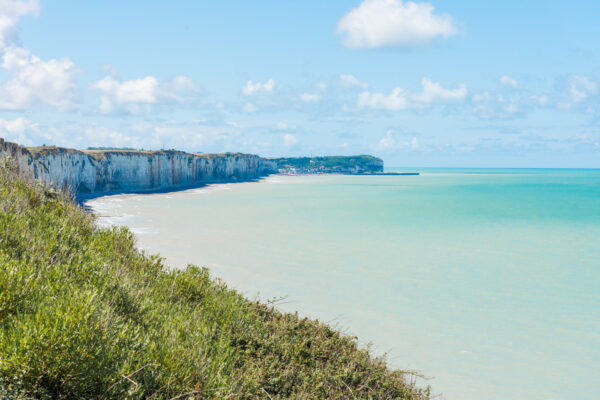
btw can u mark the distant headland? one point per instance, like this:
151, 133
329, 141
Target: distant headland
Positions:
353, 165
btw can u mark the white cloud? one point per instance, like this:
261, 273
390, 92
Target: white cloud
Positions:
349, 81
181, 83
23, 132
133, 91
137, 95
94, 135
284, 127
249, 108
576, 93
414, 143
32, 81
390, 143
400, 99
387, 142
72, 135
322, 86
433, 92
393, 23
490, 105
193, 135
251, 87
508, 81
111, 70
585, 140
310, 97
289, 140
10, 11
541, 100
580, 88
190, 135
19, 7
395, 101
37, 82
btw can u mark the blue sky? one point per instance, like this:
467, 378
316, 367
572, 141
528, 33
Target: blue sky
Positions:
442, 83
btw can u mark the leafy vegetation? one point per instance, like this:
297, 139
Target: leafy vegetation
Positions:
114, 148
331, 164
84, 315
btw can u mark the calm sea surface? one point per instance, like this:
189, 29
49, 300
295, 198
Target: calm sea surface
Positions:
486, 281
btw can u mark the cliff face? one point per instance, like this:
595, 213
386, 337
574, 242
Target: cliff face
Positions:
106, 171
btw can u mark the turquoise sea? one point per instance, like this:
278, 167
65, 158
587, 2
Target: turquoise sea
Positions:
486, 281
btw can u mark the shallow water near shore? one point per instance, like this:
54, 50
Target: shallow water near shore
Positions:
486, 281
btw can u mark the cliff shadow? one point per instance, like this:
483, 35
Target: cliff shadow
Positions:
81, 198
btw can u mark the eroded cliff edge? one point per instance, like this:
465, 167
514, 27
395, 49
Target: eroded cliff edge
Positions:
102, 171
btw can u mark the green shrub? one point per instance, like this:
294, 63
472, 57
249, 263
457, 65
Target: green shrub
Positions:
84, 315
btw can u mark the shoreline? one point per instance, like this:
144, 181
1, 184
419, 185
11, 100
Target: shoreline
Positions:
84, 197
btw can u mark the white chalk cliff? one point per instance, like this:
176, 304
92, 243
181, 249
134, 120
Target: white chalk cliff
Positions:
99, 171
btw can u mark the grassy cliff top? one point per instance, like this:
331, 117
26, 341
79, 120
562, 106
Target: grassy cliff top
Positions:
100, 153
84, 315
45, 149
38, 151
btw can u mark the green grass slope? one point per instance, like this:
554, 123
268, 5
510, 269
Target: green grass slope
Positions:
84, 315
